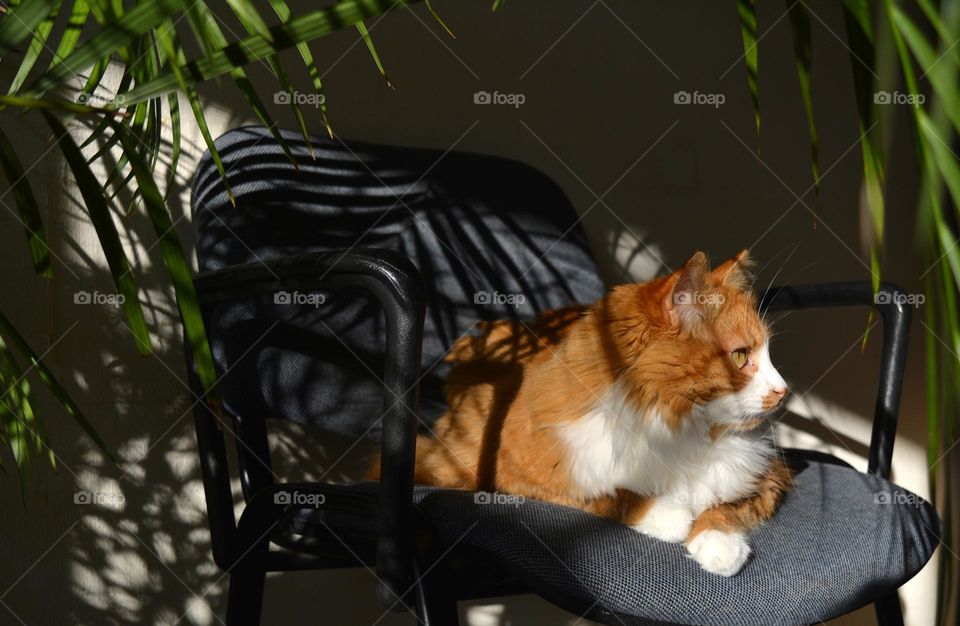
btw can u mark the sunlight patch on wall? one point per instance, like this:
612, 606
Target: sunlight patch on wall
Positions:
198, 612
488, 615
636, 259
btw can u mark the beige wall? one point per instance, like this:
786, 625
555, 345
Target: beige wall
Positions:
599, 82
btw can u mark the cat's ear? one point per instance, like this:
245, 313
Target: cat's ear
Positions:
685, 288
735, 272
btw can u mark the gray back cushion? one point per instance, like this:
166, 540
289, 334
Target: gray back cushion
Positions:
475, 226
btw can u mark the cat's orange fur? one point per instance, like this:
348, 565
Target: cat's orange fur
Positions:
514, 385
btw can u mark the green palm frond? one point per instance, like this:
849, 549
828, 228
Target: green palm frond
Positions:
27, 204
37, 43
803, 53
747, 12
256, 47
21, 21
133, 124
913, 42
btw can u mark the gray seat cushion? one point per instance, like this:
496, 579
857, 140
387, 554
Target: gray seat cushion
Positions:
841, 539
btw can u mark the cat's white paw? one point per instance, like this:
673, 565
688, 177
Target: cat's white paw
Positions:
666, 520
720, 552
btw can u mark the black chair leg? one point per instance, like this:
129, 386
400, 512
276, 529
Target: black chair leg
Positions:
888, 610
245, 600
436, 602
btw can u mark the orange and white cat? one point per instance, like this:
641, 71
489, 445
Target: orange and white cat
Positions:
646, 407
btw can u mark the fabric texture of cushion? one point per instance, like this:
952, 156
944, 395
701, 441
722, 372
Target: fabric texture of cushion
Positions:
492, 238
840, 540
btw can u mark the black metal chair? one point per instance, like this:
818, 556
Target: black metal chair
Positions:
294, 280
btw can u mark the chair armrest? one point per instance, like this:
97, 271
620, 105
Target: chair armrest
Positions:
397, 284
311, 271
891, 303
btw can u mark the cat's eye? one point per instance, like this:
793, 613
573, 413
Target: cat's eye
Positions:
739, 357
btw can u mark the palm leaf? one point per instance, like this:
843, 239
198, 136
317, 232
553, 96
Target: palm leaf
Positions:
859, 24
141, 122
17, 416
153, 126
112, 38
943, 83
55, 104
437, 17
294, 105
210, 36
71, 35
9, 333
167, 39
284, 13
174, 258
37, 44
747, 12
21, 21
106, 232
253, 48
27, 206
254, 24
100, 130
16, 436
96, 75
126, 79
249, 17
367, 39
802, 51
939, 168
174, 106
935, 130
940, 155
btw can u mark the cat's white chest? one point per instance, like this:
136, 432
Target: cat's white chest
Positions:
613, 446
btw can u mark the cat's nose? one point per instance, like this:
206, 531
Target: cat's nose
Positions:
774, 397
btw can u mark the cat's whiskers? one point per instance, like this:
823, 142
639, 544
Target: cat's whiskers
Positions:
781, 317
763, 314
756, 274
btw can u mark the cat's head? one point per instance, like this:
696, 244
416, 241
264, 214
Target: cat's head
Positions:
709, 354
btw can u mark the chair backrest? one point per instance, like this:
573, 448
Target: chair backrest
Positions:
493, 238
